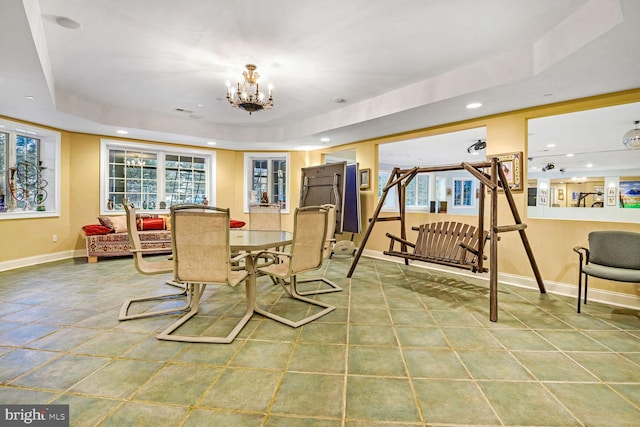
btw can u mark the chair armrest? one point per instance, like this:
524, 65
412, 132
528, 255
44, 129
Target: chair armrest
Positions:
272, 254
470, 249
399, 240
143, 250
239, 257
583, 253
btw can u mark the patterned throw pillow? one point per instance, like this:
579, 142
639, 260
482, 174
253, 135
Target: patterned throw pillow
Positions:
117, 223
105, 221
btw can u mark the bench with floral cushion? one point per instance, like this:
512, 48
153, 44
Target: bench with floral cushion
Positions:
110, 237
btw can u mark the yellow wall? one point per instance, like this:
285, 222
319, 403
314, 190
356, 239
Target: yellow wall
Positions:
551, 240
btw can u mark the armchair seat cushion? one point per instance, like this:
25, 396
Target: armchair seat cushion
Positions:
612, 273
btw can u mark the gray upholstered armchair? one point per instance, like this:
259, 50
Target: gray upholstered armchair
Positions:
611, 255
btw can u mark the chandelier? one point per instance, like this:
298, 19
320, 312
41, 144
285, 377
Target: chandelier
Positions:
248, 97
631, 139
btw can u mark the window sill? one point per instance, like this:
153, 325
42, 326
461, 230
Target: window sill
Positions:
19, 214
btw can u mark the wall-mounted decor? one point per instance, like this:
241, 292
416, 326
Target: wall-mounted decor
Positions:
611, 196
512, 168
364, 178
630, 194
560, 194
543, 197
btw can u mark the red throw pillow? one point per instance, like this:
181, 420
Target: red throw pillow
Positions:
151, 224
96, 229
236, 223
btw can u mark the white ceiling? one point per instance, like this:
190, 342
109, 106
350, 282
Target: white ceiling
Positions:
399, 64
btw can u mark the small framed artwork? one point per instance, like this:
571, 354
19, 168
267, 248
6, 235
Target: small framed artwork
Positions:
512, 168
543, 197
612, 193
560, 194
364, 178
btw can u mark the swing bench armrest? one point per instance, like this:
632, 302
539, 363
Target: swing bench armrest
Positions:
471, 249
393, 239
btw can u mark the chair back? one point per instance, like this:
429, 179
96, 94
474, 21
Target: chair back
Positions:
143, 266
264, 217
132, 226
331, 230
200, 242
309, 235
615, 249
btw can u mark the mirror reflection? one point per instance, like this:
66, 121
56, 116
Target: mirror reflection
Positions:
439, 192
578, 160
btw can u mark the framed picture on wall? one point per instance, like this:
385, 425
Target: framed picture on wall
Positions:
364, 178
512, 167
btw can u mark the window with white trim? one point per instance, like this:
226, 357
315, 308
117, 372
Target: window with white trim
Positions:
266, 179
416, 194
29, 171
154, 177
463, 193
391, 202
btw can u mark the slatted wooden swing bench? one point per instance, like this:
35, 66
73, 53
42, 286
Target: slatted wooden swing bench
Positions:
453, 244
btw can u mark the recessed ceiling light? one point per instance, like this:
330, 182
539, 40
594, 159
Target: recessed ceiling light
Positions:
325, 139
570, 155
211, 143
589, 165
29, 97
122, 132
67, 23
551, 145
474, 105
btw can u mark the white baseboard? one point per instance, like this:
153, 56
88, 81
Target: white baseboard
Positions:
41, 259
617, 299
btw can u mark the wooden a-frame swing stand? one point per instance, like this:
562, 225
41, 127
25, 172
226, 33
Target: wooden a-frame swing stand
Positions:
494, 182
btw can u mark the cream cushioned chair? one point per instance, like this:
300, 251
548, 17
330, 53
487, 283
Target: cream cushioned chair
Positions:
327, 251
306, 254
201, 257
265, 217
145, 266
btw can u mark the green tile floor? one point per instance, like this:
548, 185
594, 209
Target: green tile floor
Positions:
406, 346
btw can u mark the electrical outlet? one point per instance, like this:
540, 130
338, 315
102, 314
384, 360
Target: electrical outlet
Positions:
54, 238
